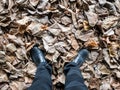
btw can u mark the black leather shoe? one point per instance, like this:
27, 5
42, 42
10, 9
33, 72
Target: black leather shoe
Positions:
81, 57
37, 55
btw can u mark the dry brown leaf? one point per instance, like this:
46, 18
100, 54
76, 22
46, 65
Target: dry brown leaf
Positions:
36, 28
5, 87
34, 2
42, 5
86, 75
23, 21
22, 29
65, 29
108, 60
55, 56
11, 47
17, 85
20, 1
60, 46
54, 29
91, 43
21, 54
105, 86
70, 55
72, 14
44, 27
92, 18
48, 42
113, 49
109, 32
61, 78
29, 45
49, 57
117, 73
2, 54
65, 20
109, 22
86, 25
5, 21
117, 4
15, 39
3, 77
9, 58
30, 69
28, 80
102, 2
11, 4
11, 68
1, 7
94, 84
115, 84
73, 42
104, 70
93, 56
86, 36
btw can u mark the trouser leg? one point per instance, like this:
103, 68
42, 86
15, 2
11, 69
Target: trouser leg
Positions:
74, 78
42, 80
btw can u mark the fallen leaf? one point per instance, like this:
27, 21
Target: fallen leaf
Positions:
91, 43
109, 32
61, 78
108, 60
93, 56
105, 86
11, 4
55, 56
5, 87
85, 36
86, 75
15, 39
16, 85
104, 70
112, 49
117, 73
102, 2
11, 47
35, 29
2, 54
42, 4
65, 20
92, 18
3, 77
54, 29
86, 25
109, 22
73, 42
30, 69
94, 84
117, 4
23, 21
34, 2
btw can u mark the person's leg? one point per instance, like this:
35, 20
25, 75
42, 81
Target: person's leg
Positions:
74, 78
42, 80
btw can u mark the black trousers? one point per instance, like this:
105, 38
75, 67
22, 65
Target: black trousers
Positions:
74, 78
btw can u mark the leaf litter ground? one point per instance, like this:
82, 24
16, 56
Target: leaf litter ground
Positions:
61, 28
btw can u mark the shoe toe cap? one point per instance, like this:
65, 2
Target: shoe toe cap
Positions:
84, 53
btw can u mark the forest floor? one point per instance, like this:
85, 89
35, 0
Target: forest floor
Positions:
61, 28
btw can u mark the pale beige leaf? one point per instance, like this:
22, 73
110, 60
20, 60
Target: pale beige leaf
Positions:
11, 47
